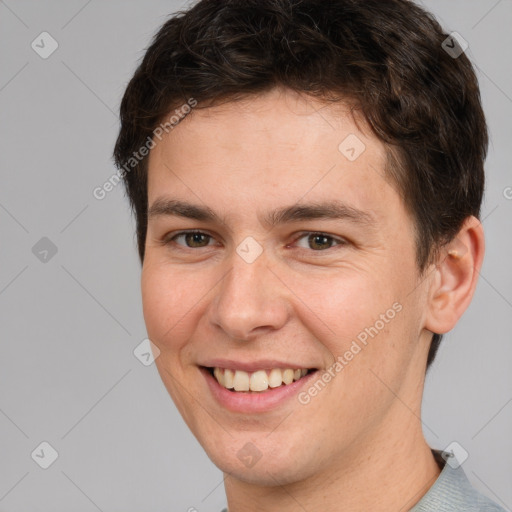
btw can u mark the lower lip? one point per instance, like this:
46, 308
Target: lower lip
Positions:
254, 402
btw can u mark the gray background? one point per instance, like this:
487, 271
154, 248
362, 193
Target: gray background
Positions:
69, 325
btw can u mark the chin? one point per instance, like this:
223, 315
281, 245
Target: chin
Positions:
257, 460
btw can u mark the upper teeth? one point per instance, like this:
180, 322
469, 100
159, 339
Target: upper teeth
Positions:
257, 381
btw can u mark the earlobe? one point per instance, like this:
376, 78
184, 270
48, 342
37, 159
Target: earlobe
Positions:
457, 272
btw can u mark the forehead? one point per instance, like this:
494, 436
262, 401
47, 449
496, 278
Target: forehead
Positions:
273, 146
279, 117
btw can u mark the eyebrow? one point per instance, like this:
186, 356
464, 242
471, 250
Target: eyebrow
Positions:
334, 210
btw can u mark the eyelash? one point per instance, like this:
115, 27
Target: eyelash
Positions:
171, 240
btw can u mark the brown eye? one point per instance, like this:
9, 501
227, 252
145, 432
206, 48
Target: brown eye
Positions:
193, 239
320, 241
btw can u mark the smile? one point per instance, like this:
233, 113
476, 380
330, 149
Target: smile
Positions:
257, 381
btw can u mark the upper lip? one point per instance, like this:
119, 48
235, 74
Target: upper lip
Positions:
252, 366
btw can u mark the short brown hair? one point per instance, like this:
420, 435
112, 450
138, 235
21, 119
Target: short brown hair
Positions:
385, 56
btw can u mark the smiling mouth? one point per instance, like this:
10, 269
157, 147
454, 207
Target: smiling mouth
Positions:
258, 381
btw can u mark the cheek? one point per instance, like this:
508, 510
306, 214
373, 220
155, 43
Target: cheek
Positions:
342, 304
361, 316
171, 300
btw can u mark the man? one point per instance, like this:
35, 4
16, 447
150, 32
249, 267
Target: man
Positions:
307, 178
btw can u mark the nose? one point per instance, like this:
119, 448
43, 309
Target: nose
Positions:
251, 300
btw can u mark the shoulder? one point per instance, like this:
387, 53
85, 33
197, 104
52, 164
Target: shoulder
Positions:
453, 492
477, 502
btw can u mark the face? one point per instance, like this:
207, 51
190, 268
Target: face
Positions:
312, 315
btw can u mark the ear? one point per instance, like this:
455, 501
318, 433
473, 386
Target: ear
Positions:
456, 275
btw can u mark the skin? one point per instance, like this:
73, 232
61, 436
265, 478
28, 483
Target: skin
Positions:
358, 444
